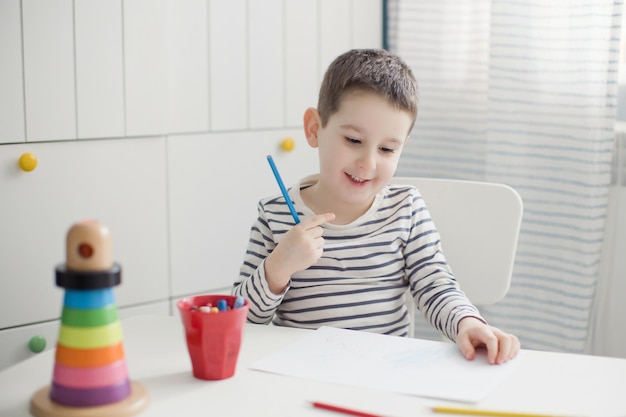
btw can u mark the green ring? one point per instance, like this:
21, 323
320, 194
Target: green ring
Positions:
89, 318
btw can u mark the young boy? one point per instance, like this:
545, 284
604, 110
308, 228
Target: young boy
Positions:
361, 242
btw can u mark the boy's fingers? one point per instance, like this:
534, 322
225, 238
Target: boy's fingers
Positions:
318, 220
467, 349
509, 346
492, 344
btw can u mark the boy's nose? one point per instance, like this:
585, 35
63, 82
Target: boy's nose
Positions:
367, 160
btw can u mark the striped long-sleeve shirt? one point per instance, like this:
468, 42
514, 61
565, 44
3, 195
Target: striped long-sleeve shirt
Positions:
362, 277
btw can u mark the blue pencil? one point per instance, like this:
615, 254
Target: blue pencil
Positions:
283, 190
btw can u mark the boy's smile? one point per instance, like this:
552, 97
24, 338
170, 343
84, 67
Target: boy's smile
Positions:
359, 150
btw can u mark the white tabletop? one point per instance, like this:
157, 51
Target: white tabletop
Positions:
544, 382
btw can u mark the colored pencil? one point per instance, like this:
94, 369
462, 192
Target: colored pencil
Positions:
283, 190
486, 413
343, 410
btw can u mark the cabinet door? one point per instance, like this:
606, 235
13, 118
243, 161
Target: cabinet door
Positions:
145, 66
367, 28
48, 29
14, 342
351, 24
188, 93
11, 81
335, 15
266, 52
302, 80
213, 199
119, 182
228, 43
99, 68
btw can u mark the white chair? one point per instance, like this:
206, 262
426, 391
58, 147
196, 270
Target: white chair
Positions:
479, 224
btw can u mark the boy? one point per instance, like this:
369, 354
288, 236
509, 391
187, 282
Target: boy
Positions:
361, 242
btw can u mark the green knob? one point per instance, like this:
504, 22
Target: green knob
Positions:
37, 344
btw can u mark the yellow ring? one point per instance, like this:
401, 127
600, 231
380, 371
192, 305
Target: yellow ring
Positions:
90, 337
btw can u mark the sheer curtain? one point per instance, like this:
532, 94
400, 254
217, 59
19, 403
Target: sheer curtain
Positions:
523, 93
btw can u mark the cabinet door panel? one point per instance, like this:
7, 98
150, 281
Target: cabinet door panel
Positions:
213, 200
188, 93
145, 66
301, 75
266, 68
119, 182
99, 68
367, 28
228, 43
49, 69
11, 81
335, 31
14, 342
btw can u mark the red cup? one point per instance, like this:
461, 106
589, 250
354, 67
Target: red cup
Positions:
213, 338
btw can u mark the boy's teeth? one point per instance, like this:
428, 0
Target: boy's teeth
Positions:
357, 179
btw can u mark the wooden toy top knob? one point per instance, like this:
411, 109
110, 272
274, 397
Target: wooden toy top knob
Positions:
88, 247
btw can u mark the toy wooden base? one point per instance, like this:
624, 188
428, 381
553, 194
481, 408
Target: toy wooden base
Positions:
42, 406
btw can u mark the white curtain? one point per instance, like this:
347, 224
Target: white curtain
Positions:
522, 93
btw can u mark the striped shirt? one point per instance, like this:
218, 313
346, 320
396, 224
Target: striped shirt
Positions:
367, 266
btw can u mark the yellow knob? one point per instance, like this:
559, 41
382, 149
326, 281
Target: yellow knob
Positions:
288, 144
28, 161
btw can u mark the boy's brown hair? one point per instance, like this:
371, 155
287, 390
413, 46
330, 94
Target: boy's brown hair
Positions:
375, 70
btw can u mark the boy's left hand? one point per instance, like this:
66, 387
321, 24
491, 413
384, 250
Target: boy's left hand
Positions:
473, 333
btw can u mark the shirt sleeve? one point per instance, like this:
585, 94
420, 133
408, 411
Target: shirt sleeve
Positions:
434, 288
251, 283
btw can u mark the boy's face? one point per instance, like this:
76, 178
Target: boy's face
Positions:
360, 146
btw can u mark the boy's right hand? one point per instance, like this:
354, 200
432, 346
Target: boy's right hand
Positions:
300, 248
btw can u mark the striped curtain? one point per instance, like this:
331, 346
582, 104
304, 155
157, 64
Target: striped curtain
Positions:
522, 93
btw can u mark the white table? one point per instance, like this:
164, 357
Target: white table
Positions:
544, 382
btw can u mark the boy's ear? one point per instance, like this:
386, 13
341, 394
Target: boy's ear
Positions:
312, 123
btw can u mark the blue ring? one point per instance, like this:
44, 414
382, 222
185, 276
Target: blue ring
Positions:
89, 299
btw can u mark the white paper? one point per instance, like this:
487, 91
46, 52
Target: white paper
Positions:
390, 363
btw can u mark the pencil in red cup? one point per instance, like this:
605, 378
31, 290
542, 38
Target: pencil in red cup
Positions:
213, 339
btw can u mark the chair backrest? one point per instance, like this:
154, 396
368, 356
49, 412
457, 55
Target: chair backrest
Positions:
479, 224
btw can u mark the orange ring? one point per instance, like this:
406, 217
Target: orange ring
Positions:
87, 358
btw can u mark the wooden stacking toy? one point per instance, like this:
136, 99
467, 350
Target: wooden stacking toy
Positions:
90, 377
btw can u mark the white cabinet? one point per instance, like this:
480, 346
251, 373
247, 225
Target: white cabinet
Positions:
266, 64
228, 64
190, 95
49, 69
145, 66
188, 87
11, 81
334, 14
367, 31
99, 68
301, 69
14, 343
215, 182
119, 182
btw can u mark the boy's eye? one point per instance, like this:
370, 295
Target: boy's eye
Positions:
352, 140
387, 150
